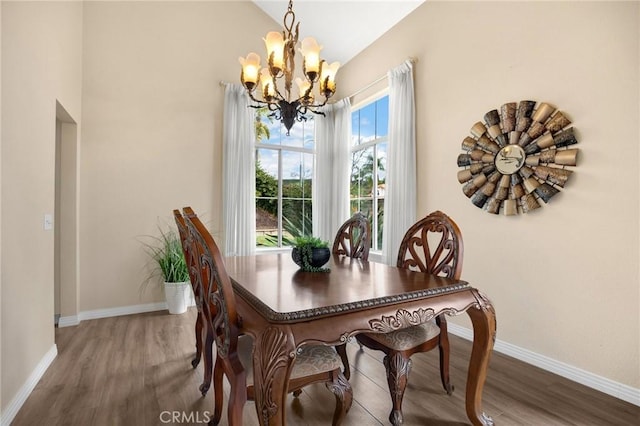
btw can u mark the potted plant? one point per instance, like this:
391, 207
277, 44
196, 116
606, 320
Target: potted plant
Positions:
311, 253
169, 262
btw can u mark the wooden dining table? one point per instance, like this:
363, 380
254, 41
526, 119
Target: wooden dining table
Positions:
283, 308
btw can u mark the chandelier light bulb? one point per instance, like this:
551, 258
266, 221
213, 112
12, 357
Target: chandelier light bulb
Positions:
250, 70
275, 49
328, 78
266, 81
304, 86
310, 49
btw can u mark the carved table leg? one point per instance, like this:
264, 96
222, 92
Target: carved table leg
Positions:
484, 333
272, 362
398, 368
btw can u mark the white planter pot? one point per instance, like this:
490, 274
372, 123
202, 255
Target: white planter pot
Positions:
179, 296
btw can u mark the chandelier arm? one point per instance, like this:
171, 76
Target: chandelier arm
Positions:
317, 105
254, 99
317, 112
277, 114
273, 106
311, 86
303, 109
277, 95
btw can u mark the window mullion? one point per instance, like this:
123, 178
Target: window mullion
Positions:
374, 170
280, 230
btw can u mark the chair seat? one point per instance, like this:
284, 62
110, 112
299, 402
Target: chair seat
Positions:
312, 359
407, 338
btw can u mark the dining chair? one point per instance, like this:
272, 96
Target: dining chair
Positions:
198, 293
313, 363
433, 245
353, 239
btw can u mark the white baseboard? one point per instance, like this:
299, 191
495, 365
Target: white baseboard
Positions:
68, 321
16, 403
615, 389
110, 312
115, 312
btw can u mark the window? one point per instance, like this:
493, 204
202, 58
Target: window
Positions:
369, 126
284, 171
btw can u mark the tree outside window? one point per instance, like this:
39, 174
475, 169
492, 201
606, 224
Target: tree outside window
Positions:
369, 138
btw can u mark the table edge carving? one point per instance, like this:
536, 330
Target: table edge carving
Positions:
305, 314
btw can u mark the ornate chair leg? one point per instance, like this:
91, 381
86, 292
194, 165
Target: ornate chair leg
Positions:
208, 361
218, 395
196, 359
443, 346
341, 388
342, 351
237, 399
398, 368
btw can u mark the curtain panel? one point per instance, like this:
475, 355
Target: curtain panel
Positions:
239, 173
400, 195
331, 170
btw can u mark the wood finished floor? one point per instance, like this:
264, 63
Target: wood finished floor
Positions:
135, 371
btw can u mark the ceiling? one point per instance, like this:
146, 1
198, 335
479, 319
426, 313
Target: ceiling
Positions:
344, 28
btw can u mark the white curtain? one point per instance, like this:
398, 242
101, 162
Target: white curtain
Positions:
400, 194
238, 180
331, 170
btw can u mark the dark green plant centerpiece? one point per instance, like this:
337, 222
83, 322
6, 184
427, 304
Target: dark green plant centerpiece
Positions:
311, 253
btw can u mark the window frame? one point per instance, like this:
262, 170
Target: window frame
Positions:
280, 148
363, 146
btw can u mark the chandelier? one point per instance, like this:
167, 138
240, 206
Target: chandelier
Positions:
281, 51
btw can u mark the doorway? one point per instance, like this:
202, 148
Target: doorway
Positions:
66, 220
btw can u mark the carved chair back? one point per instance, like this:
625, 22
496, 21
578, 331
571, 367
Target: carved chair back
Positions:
433, 245
203, 309
353, 238
189, 257
213, 278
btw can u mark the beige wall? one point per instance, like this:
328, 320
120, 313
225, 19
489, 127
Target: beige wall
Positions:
564, 279
151, 141
41, 63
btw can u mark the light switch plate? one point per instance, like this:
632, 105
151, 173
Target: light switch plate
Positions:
48, 222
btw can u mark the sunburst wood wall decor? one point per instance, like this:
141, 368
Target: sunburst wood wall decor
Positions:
517, 157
